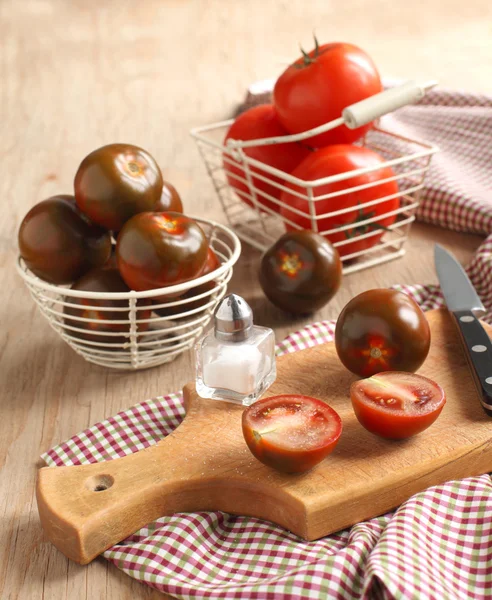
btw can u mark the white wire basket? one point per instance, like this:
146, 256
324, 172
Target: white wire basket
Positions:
255, 214
142, 338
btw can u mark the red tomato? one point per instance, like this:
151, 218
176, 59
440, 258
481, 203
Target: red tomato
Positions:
291, 433
334, 160
155, 250
256, 123
382, 330
397, 405
319, 85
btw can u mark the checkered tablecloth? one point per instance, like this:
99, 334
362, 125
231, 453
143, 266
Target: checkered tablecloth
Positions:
437, 545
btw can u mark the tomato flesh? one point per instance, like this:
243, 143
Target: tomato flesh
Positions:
291, 433
397, 405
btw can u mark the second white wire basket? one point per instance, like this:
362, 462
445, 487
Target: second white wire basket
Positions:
380, 227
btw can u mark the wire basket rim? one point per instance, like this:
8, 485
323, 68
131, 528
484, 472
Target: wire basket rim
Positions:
170, 290
427, 149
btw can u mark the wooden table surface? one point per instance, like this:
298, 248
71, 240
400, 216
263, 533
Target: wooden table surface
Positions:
76, 75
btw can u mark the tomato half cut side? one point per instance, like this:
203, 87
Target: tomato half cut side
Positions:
291, 433
396, 404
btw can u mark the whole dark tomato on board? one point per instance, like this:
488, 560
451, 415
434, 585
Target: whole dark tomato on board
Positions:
301, 272
115, 182
256, 123
58, 243
317, 87
211, 264
156, 250
170, 200
397, 405
382, 330
102, 311
334, 160
291, 433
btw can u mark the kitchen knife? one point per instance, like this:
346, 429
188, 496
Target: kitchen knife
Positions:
466, 307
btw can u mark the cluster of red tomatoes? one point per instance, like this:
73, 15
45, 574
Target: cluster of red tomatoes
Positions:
119, 194
381, 335
311, 92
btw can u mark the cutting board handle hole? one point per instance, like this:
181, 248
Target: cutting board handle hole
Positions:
99, 483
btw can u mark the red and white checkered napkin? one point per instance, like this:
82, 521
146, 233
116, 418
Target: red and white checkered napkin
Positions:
436, 545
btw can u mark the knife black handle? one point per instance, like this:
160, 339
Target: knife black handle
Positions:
478, 350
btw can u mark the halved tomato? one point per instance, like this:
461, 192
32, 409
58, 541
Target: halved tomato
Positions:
291, 433
396, 404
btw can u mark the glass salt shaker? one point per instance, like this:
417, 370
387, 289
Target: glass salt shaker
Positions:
236, 360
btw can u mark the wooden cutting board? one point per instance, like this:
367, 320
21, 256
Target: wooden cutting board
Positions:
205, 464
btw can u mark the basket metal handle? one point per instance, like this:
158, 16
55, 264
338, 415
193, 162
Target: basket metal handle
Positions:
353, 116
371, 108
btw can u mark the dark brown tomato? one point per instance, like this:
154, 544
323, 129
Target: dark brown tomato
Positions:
101, 311
212, 263
115, 182
156, 250
382, 330
301, 272
170, 200
59, 244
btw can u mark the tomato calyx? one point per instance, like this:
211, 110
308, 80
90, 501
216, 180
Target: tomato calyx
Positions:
306, 58
290, 264
365, 227
377, 354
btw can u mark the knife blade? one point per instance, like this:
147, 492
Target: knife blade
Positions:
466, 308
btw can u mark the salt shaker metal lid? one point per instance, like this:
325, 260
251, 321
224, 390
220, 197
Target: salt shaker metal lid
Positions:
233, 319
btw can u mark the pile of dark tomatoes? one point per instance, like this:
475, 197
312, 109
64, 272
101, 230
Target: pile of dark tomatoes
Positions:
123, 229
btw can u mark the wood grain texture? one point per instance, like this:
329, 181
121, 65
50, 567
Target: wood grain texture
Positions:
75, 75
205, 463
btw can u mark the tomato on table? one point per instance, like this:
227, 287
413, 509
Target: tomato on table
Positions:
58, 243
397, 405
115, 182
155, 250
382, 330
101, 311
301, 272
334, 160
256, 123
291, 433
316, 88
